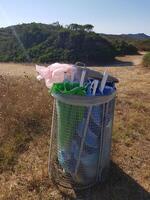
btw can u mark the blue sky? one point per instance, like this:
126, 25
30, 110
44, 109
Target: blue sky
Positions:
108, 16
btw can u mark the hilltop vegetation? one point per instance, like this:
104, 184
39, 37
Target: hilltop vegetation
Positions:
143, 45
140, 41
38, 42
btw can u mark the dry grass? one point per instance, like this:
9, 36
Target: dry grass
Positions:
25, 112
25, 118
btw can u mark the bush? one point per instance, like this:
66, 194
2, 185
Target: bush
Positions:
146, 60
123, 48
143, 45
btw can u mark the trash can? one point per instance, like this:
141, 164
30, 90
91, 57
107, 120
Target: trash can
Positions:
80, 142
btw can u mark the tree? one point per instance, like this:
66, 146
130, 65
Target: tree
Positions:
75, 27
57, 24
88, 27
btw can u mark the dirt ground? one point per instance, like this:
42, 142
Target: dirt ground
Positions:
15, 69
25, 118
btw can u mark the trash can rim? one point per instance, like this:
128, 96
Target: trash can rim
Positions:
84, 100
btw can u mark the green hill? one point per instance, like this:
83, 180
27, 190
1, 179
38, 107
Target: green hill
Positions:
36, 42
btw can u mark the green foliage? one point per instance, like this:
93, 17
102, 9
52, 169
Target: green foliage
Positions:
143, 45
77, 27
43, 43
123, 48
146, 60
140, 41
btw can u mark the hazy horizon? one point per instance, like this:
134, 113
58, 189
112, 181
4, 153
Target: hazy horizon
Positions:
107, 16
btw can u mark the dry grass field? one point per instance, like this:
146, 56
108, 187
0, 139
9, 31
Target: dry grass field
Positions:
25, 121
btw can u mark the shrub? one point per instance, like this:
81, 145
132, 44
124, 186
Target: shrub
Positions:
146, 60
123, 48
143, 45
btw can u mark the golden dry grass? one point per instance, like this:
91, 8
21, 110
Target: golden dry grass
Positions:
25, 119
131, 138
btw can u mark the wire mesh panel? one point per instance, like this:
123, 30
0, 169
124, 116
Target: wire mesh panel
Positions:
80, 142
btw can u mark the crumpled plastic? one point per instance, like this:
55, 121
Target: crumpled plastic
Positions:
54, 73
68, 88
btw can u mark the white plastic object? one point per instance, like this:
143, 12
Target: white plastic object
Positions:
103, 82
85, 129
82, 78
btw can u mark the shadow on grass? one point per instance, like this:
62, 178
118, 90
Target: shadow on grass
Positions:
118, 63
120, 186
115, 63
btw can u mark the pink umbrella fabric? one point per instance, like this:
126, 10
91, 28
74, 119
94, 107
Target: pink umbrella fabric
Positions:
54, 73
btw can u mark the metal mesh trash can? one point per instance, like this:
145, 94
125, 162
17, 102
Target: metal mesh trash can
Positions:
80, 142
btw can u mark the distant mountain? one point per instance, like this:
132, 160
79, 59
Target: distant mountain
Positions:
139, 40
138, 36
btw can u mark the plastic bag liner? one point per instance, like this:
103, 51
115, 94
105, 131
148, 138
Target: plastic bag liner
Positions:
94, 157
68, 88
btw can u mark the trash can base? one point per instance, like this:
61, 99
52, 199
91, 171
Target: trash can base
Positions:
64, 180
